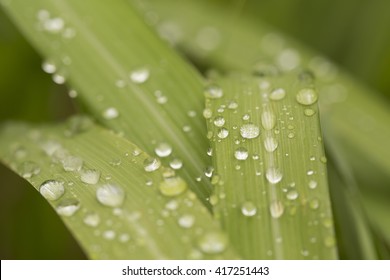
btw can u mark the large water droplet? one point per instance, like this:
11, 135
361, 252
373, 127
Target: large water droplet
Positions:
29, 169
163, 150
241, 153
273, 175
307, 96
268, 120
52, 190
172, 186
277, 209
223, 133
277, 94
270, 144
90, 177
219, 121
68, 207
213, 243
72, 163
151, 164
110, 113
186, 221
110, 195
92, 219
139, 76
249, 131
248, 209
213, 92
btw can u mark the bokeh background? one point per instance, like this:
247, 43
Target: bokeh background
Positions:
353, 33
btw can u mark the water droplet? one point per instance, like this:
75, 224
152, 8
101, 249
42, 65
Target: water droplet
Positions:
241, 153
92, 219
151, 164
52, 190
223, 133
68, 207
219, 121
163, 150
176, 163
248, 209
213, 92
309, 112
213, 243
277, 209
109, 234
186, 221
246, 117
139, 76
310, 172
277, 94
270, 144
314, 204
186, 128
172, 186
291, 135
232, 105
172, 205
249, 131
110, 113
312, 184
268, 120
43, 15
29, 169
207, 113
210, 152
292, 195
124, 237
72, 93
288, 59
307, 96
90, 177
110, 195
53, 25
49, 67
72, 163
59, 79
273, 175
209, 171
323, 159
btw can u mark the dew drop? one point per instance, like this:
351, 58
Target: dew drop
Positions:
268, 120
92, 219
314, 204
59, 79
72, 93
270, 144
176, 164
90, 177
163, 150
213, 243
68, 207
207, 113
110, 195
29, 169
273, 175
186, 221
246, 117
124, 237
277, 94
172, 186
309, 112
209, 171
151, 164
49, 67
288, 59
232, 105
249, 131
53, 25
109, 234
292, 195
276, 209
310, 172
291, 135
241, 153
110, 113
210, 152
307, 96
223, 133
52, 190
312, 184
139, 76
219, 121
248, 209
213, 92
72, 163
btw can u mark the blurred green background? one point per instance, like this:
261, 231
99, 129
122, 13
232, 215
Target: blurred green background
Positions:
353, 33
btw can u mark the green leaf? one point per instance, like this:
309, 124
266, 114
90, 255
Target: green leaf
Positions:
271, 191
130, 80
97, 182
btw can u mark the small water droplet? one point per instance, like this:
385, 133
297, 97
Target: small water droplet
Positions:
29, 169
68, 207
163, 150
249, 131
72, 163
307, 96
292, 195
172, 186
210, 152
213, 92
139, 76
90, 176
49, 67
59, 79
277, 94
92, 219
53, 25
246, 117
309, 112
110, 113
277, 209
186, 221
109, 234
312, 184
124, 237
52, 189
232, 105
172, 205
110, 195
270, 144
72, 93
288, 59
176, 163
291, 135
273, 175
151, 164
213, 243
310, 172
248, 209
219, 121
241, 153
314, 204
223, 133
207, 113
209, 171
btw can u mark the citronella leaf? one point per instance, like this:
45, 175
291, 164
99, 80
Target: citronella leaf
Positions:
117, 201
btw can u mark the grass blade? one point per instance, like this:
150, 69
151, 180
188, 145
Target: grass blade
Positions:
271, 190
115, 209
